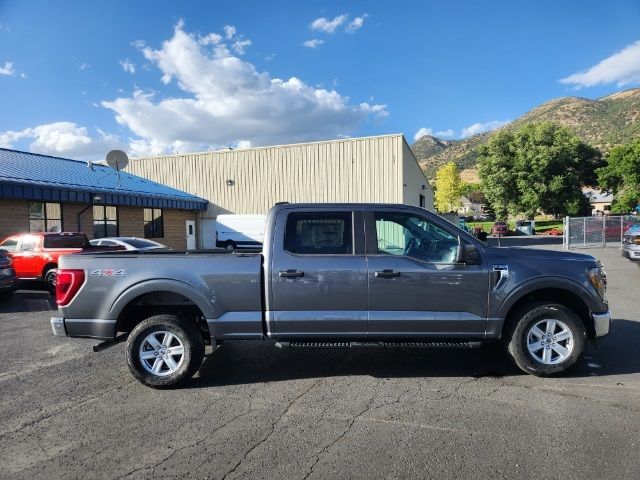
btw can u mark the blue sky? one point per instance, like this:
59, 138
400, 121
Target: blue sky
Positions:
80, 78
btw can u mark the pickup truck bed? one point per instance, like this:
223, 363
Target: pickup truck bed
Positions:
337, 275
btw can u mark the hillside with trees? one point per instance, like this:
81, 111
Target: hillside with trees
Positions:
602, 123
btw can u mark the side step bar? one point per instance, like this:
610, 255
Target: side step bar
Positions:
312, 344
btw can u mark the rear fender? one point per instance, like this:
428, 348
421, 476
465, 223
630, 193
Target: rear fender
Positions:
162, 285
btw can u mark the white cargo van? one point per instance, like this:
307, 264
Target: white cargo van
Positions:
240, 231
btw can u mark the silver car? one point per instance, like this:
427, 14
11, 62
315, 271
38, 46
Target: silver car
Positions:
128, 243
631, 245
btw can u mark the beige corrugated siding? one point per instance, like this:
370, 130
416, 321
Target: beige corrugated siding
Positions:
351, 170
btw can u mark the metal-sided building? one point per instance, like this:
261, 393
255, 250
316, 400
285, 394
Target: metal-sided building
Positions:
250, 181
40, 193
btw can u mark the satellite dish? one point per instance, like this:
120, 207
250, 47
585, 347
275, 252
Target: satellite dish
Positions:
117, 159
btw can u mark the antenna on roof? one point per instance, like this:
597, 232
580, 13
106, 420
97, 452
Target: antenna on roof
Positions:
117, 159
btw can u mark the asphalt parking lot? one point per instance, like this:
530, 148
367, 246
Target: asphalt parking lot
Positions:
255, 411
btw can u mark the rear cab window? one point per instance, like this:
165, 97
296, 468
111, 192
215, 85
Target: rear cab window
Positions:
319, 233
65, 241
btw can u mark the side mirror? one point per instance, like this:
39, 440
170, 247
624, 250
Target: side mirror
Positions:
467, 254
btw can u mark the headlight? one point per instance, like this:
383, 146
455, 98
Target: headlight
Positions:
598, 278
6, 272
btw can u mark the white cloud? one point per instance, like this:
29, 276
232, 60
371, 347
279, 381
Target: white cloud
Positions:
229, 31
477, 128
63, 138
227, 100
313, 43
8, 69
356, 23
240, 45
128, 66
210, 39
84, 66
622, 68
323, 24
446, 134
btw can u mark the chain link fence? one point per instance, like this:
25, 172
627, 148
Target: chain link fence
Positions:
581, 232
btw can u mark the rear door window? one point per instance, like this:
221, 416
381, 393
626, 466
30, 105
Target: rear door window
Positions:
28, 244
319, 233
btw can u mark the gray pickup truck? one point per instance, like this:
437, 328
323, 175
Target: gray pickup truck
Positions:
341, 276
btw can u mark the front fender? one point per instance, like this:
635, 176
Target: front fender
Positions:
582, 290
161, 285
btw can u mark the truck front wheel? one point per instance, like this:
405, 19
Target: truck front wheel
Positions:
546, 339
164, 350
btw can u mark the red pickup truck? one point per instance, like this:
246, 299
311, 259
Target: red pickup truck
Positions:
35, 255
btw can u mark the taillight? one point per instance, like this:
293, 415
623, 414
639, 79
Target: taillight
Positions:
68, 282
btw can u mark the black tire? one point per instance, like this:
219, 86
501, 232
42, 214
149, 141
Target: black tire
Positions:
517, 338
4, 297
230, 245
187, 333
50, 279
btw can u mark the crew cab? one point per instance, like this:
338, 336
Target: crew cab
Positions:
36, 255
337, 275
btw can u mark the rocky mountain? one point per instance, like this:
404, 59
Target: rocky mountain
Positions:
603, 123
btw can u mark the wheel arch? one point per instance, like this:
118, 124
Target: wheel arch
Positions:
570, 297
158, 296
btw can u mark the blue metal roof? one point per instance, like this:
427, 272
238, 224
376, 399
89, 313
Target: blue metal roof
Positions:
32, 176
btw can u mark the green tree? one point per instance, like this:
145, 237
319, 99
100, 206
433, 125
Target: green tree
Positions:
468, 188
448, 187
621, 176
540, 166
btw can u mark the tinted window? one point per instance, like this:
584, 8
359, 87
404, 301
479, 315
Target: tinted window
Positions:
154, 223
10, 245
65, 241
107, 243
414, 236
319, 233
138, 243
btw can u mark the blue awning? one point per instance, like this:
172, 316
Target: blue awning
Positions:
32, 176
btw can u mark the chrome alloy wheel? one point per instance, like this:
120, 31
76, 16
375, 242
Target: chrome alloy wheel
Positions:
161, 353
550, 341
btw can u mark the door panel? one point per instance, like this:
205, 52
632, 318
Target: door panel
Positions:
318, 276
415, 287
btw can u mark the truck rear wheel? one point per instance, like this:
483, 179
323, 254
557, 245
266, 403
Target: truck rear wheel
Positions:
164, 350
546, 339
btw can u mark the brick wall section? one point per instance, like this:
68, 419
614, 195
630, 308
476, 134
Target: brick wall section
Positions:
175, 235
131, 222
70, 218
14, 217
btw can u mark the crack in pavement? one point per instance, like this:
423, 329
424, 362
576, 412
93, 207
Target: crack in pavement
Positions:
67, 407
367, 407
271, 431
193, 444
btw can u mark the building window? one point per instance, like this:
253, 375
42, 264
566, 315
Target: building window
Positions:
45, 217
105, 221
422, 200
153, 223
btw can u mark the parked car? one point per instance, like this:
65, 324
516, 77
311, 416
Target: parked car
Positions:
35, 255
500, 228
240, 231
337, 276
631, 244
8, 279
127, 243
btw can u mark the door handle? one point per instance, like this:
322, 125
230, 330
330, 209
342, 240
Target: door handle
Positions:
387, 274
291, 273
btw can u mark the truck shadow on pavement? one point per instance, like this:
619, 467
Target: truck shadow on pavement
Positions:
28, 301
256, 362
